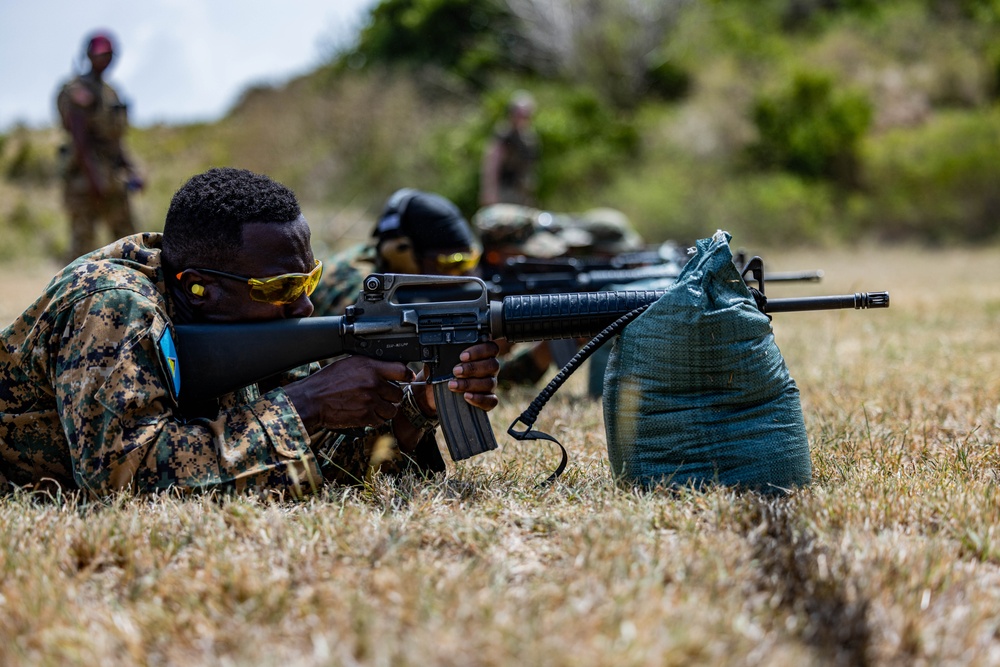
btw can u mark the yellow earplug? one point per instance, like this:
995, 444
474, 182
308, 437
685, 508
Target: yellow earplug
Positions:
197, 290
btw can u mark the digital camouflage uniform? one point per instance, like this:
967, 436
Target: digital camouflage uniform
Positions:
341, 281
88, 386
105, 120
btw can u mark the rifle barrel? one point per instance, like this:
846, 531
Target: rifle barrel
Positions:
793, 276
858, 301
531, 317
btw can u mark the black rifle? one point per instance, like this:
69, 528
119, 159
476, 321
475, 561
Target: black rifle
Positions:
532, 275
387, 323
528, 276
521, 274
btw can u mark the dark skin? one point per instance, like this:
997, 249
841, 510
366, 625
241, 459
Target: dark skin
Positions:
354, 391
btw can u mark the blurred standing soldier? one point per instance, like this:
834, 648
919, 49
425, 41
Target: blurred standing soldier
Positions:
97, 172
510, 162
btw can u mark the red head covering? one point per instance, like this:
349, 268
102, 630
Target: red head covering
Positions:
99, 43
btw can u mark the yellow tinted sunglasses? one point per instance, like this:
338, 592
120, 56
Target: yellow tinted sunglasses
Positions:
277, 290
458, 262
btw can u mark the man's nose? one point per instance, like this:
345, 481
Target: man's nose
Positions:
301, 307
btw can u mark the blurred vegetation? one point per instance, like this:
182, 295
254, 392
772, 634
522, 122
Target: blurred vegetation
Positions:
790, 122
810, 130
466, 38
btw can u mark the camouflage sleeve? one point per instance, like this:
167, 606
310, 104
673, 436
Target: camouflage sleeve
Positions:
117, 406
342, 277
73, 96
281, 379
62, 106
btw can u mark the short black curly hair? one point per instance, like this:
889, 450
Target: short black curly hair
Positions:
204, 224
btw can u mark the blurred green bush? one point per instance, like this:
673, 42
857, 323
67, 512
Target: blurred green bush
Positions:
936, 182
811, 129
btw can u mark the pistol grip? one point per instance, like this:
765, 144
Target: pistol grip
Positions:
466, 428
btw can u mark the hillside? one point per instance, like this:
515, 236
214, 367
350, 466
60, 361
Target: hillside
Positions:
858, 137
803, 123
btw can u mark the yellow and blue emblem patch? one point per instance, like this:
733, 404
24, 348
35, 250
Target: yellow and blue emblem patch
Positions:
168, 360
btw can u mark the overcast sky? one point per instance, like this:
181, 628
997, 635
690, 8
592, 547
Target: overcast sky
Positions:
177, 60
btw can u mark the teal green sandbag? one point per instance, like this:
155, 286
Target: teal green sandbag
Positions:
696, 390
598, 361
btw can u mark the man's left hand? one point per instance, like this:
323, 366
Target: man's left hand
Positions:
475, 377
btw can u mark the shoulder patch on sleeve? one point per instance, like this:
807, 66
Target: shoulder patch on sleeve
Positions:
167, 355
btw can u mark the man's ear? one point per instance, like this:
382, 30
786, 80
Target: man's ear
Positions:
197, 287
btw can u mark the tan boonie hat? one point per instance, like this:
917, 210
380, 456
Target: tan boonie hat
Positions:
610, 230
528, 230
505, 224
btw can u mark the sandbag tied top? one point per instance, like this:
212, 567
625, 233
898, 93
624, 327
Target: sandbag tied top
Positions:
696, 390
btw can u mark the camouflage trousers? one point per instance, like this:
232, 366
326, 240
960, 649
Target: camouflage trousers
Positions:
85, 210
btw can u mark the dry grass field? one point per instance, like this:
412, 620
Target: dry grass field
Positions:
890, 557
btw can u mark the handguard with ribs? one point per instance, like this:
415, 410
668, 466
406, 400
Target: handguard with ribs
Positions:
428, 319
